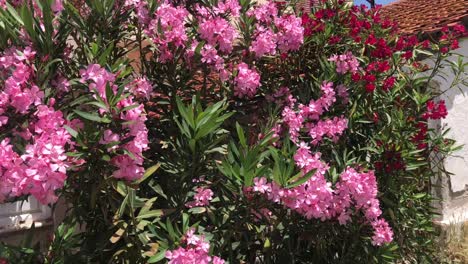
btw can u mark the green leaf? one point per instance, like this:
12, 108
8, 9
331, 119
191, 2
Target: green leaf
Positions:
197, 210
27, 18
151, 214
184, 113
158, 257
296, 180
419, 195
241, 135
149, 172
72, 131
89, 116
14, 14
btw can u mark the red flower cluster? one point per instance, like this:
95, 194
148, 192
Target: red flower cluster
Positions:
420, 137
435, 110
450, 37
391, 161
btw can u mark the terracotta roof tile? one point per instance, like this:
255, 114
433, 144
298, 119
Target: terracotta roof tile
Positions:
426, 16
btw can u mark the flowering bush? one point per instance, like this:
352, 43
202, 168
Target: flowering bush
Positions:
221, 131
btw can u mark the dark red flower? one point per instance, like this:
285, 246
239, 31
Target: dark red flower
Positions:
408, 54
371, 40
370, 87
388, 83
426, 44
356, 77
375, 117
369, 77
454, 45
435, 111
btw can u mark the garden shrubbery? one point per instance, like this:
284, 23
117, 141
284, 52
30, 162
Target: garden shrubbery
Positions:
222, 131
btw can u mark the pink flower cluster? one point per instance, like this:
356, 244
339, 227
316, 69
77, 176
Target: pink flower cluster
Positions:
382, 232
99, 79
345, 63
41, 167
41, 170
316, 199
210, 57
19, 91
201, 198
286, 35
133, 122
168, 29
312, 112
196, 250
333, 128
246, 82
141, 10
141, 88
218, 32
223, 7
264, 43
290, 35
264, 12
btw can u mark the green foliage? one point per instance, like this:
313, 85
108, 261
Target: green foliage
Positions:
201, 135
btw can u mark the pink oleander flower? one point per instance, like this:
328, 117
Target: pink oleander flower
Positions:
141, 88
264, 12
261, 186
218, 32
264, 43
19, 90
196, 250
135, 123
209, 55
345, 63
128, 168
141, 10
40, 169
228, 6
168, 29
382, 233
99, 78
294, 121
342, 92
290, 35
328, 97
57, 6
202, 197
109, 137
316, 199
246, 82
45, 159
61, 83
332, 128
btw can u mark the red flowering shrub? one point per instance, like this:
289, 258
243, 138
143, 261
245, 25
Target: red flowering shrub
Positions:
221, 131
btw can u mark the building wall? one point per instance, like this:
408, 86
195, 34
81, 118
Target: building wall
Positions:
454, 188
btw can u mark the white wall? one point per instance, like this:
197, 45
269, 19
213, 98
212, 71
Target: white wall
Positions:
455, 187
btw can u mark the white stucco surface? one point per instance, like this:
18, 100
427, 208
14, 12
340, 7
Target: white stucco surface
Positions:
454, 192
457, 120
